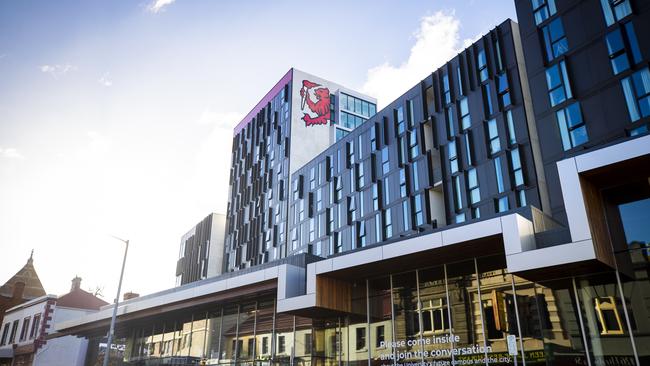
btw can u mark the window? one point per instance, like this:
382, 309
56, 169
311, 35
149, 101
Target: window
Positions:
418, 209
557, 80
615, 10
319, 199
297, 188
361, 234
502, 204
410, 113
338, 189
312, 230
482, 66
337, 243
469, 149
373, 138
463, 107
435, 316
388, 224
330, 220
282, 347
453, 157
451, 130
504, 90
517, 171
361, 338
361, 178
350, 154
415, 176
572, 128
399, 120
512, 138
356, 105
459, 75
623, 48
378, 228
458, 195
386, 191
543, 9
401, 150
5, 333
493, 136
445, 89
375, 196
414, 149
499, 174
307, 343
36, 324
472, 186
487, 100
359, 150
312, 178
637, 94
497, 51
406, 215
609, 320
385, 163
14, 329
380, 336
352, 210
402, 183
555, 42
24, 329
521, 198
294, 238
341, 133
265, 345
460, 218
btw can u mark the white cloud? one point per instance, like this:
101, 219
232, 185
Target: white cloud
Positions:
436, 42
10, 153
57, 70
105, 80
158, 5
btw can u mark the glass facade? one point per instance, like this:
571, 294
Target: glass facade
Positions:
471, 312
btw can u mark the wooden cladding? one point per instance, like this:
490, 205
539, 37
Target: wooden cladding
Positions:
334, 294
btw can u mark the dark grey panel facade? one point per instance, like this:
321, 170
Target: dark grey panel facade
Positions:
192, 264
257, 203
454, 148
604, 48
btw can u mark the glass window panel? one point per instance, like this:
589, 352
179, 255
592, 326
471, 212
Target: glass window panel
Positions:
634, 43
630, 99
553, 77
381, 325
499, 174
406, 317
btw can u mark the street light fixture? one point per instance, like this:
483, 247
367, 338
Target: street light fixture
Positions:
111, 331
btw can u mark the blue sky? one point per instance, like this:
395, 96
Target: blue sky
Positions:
116, 116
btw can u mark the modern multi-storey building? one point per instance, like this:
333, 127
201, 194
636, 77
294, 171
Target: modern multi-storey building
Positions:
460, 145
201, 250
495, 214
296, 120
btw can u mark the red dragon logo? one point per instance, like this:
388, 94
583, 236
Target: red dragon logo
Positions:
321, 107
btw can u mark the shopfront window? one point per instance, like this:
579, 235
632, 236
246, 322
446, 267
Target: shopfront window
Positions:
471, 312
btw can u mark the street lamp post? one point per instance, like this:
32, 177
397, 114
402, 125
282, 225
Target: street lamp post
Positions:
111, 331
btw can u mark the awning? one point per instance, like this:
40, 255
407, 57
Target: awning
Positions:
6, 352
